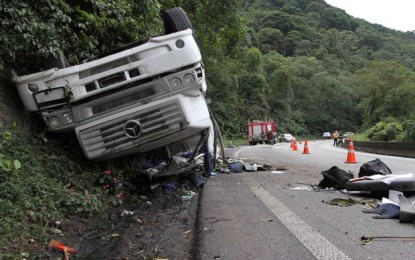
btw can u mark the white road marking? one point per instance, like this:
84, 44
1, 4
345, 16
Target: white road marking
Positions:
319, 246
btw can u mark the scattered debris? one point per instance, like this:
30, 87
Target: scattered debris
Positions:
335, 177
126, 213
342, 202
281, 168
236, 167
302, 187
188, 195
374, 167
54, 244
407, 210
386, 210
56, 231
197, 179
367, 240
169, 186
264, 167
250, 167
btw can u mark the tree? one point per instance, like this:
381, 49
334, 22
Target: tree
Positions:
278, 20
340, 43
374, 83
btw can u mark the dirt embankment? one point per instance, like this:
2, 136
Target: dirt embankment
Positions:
156, 226
12, 111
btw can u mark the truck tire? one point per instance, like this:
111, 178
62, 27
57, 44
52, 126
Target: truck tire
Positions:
175, 20
59, 62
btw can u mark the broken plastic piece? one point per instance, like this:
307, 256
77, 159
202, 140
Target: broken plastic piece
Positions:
54, 244
407, 214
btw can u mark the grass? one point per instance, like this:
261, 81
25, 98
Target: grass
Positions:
40, 184
235, 142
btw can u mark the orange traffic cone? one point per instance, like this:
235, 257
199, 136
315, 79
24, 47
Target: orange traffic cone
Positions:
295, 148
306, 151
292, 144
350, 155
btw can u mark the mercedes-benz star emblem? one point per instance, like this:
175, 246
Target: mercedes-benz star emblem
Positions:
132, 129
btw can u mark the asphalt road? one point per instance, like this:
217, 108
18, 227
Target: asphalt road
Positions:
275, 215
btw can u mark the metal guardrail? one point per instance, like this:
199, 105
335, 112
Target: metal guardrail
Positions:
403, 149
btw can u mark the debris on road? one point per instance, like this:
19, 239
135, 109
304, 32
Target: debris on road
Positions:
305, 187
342, 202
368, 240
385, 211
238, 166
374, 167
335, 177
369, 202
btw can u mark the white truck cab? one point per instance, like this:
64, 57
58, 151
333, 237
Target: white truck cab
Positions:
134, 100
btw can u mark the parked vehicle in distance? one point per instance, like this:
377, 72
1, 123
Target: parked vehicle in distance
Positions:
261, 132
348, 134
326, 135
286, 138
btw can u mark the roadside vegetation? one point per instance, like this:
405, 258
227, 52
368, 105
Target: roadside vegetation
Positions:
304, 64
40, 185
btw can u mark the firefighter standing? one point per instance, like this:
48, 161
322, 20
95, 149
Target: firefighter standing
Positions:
336, 138
271, 138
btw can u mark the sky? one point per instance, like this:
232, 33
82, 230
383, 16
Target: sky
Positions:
394, 14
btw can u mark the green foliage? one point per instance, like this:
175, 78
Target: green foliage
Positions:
81, 29
36, 26
383, 131
111, 181
84, 204
380, 81
7, 165
40, 185
409, 127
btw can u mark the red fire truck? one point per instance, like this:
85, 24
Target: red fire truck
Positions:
261, 132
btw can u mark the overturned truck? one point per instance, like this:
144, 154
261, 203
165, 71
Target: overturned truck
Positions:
135, 99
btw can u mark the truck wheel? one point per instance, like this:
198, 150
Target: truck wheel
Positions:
175, 20
59, 62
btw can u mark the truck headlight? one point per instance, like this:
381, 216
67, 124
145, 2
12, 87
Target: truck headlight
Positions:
54, 122
189, 79
176, 83
67, 118
33, 87
179, 44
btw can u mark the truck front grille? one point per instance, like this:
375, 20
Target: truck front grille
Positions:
109, 137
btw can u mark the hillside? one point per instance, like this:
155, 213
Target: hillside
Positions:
313, 68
